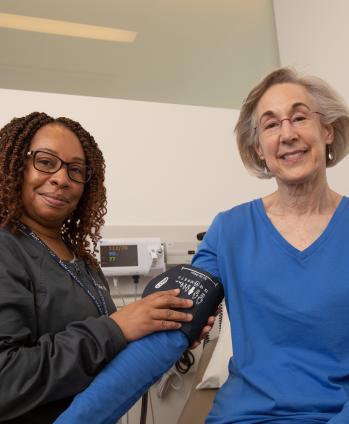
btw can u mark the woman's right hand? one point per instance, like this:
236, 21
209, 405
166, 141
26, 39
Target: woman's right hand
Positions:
152, 313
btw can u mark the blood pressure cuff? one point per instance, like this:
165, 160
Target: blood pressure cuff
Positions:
202, 288
123, 381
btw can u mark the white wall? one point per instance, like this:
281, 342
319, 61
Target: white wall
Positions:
313, 37
166, 164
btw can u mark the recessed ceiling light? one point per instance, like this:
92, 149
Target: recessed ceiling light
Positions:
70, 29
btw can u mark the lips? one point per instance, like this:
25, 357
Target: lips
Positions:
294, 155
54, 199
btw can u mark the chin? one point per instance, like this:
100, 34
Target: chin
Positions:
300, 178
52, 221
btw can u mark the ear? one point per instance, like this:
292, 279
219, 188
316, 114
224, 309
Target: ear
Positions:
329, 133
259, 150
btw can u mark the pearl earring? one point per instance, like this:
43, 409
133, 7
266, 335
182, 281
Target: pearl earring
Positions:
265, 170
329, 153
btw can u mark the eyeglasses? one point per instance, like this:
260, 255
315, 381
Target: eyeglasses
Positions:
50, 164
270, 126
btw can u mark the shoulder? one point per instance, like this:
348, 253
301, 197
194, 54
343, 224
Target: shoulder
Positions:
8, 239
345, 204
17, 245
232, 223
341, 216
239, 214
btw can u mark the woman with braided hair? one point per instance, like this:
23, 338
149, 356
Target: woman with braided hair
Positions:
58, 324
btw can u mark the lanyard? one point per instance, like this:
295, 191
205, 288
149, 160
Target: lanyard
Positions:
99, 303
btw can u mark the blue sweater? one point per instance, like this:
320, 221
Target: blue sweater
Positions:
289, 314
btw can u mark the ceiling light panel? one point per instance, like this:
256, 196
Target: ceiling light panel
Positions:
69, 29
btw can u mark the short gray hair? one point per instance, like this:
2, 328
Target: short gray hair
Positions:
331, 106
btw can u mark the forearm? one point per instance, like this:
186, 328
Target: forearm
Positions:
57, 366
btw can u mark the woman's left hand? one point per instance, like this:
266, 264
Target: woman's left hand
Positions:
204, 332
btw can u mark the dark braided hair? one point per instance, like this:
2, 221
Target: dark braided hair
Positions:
85, 222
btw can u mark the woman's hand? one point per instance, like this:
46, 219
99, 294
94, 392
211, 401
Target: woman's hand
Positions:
204, 332
152, 313
206, 329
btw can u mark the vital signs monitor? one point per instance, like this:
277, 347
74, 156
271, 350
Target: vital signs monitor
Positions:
131, 256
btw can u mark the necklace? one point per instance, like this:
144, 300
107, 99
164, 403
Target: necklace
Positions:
100, 301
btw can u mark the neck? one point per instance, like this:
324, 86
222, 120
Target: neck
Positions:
303, 199
44, 232
51, 236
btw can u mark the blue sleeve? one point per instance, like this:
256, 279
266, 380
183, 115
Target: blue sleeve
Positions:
206, 256
123, 381
342, 417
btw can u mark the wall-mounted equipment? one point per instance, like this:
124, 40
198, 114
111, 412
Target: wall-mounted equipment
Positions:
131, 256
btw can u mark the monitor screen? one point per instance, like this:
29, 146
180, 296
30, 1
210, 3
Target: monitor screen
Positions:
119, 255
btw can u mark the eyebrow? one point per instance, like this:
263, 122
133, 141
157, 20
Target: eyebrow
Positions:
269, 113
74, 159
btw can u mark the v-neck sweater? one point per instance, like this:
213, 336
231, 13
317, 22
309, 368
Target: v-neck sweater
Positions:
289, 314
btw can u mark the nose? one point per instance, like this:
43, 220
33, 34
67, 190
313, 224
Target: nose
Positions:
287, 131
61, 177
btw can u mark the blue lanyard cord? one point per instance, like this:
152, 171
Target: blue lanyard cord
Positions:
99, 303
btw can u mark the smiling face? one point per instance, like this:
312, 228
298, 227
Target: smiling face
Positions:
295, 150
48, 199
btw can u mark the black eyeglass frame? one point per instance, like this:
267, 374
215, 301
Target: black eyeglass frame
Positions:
33, 153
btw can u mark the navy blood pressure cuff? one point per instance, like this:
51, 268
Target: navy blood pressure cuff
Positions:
202, 288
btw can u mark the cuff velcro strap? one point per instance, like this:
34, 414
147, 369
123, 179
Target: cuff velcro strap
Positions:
202, 288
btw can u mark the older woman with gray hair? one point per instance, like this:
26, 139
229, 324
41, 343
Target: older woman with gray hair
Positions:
284, 261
